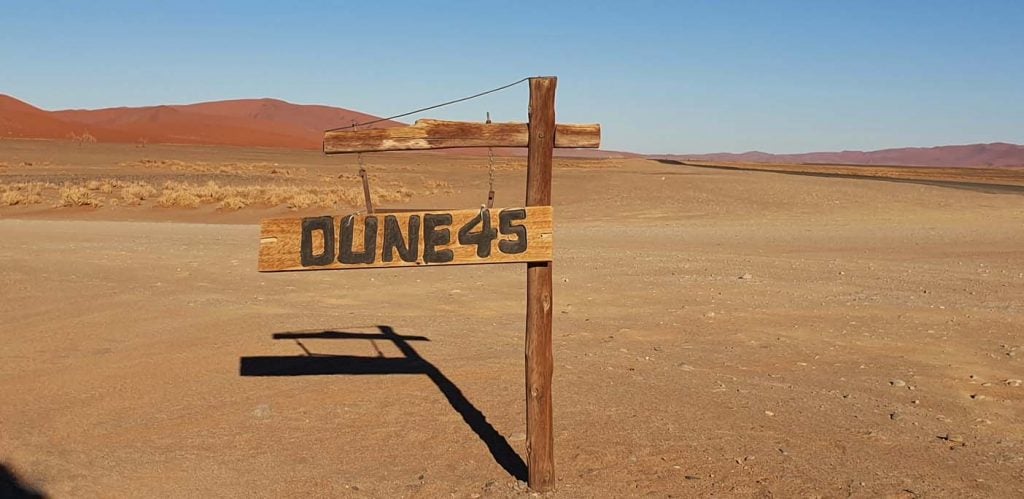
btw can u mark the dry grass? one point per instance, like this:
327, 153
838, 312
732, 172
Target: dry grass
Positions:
187, 195
178, 198
76, 195
179, 194
23, 193
437, 186
566, 163
105, 186
135, 193
12, 198
233, 203
230, 168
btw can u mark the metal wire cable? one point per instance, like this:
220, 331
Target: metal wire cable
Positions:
428, 108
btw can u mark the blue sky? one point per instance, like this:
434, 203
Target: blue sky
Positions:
684, 77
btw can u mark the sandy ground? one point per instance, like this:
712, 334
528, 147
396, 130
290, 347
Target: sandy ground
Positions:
717, 332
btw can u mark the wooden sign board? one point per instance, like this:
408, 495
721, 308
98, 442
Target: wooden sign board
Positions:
410, 239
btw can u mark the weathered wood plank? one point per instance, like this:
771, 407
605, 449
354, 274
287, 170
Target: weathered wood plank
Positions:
408, 239
436, 134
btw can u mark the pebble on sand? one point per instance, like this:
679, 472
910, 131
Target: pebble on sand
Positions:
898, 382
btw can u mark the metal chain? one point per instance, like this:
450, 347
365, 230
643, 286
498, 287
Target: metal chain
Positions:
490, 171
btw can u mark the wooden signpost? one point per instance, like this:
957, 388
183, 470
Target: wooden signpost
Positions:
441, 237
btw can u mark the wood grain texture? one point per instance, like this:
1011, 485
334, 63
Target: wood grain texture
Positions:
281, 240
540, 444
437, 134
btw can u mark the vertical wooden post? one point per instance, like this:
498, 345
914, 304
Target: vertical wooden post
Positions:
540, 450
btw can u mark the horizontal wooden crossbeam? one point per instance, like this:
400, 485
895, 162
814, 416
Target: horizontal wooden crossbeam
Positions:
436, 134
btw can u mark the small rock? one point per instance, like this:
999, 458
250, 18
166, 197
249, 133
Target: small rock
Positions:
953, 437
746, 277
692, 477
1013, 382
769, 413
977, 396
898, 382
915, 401
261, 411
895, 415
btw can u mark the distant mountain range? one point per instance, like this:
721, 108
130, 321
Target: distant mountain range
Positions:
996, 154
276, 123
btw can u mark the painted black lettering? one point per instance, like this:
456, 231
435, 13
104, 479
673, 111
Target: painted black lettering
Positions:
326, 226
434, 237
369, 240
481, 239
393, 239
505, 225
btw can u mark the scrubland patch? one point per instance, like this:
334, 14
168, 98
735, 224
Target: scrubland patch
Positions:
232, 197
232, 168
184, 194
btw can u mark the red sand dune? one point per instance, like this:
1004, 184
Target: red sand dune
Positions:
246, 122
21, 120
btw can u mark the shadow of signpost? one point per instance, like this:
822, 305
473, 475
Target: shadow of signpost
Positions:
12, 487
411, 362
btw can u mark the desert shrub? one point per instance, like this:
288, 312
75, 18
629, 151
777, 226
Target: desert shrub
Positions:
304, 200
75, 195
137, 192
12, 198
233, 203
209, 192
182, 198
